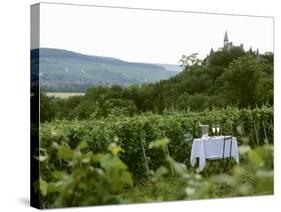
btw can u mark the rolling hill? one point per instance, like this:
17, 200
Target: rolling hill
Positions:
67, 71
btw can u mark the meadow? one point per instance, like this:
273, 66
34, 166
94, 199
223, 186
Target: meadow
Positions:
64, 95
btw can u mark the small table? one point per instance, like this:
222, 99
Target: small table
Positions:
215, 147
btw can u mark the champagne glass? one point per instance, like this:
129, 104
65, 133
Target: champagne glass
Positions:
218, 129
214, 129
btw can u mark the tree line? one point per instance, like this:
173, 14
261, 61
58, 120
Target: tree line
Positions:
225, 77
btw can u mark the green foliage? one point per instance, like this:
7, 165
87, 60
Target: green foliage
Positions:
224, 78
161, 143
242, 80
167, 189
254, 176
187, 61
131, 132
47, 107
93, 147
80, 165
75, 177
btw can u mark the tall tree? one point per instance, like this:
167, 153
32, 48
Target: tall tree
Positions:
241, 80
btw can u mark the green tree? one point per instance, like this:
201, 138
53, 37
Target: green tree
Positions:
47, 107
190, 60
241, 80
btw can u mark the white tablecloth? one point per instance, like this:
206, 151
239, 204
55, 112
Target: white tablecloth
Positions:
213, 148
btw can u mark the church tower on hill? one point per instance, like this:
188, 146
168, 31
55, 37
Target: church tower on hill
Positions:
226, 45
225, 40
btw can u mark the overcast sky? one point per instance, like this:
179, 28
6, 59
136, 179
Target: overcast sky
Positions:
147, 36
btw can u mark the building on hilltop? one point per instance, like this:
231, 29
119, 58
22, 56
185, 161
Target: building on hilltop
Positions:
227, 46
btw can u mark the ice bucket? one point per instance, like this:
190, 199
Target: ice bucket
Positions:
204, 130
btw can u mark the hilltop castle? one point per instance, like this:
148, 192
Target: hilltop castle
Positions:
227, 46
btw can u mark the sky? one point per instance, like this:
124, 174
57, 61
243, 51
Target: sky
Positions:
146, 35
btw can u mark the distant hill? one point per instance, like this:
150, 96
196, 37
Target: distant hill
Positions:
170, 67
67, 71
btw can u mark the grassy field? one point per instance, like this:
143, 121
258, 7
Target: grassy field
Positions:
63, 95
